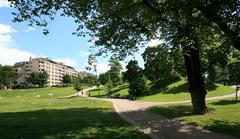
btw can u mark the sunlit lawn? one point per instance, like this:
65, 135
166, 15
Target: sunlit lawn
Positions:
39, 113
178, 91
173, 92
122, 90
223, 116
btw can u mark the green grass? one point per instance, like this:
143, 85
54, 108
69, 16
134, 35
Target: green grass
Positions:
178, 91
33, 113
223, 116
121, 89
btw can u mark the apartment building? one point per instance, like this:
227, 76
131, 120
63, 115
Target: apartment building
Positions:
55, 70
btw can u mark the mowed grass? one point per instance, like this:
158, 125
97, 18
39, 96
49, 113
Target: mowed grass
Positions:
178, 91
40, 114
122, 90
223, 116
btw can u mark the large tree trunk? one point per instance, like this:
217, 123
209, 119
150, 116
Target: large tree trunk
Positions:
195, 80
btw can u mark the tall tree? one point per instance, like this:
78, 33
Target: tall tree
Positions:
136, 79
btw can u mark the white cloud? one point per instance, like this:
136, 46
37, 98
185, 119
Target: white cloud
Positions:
4, 29
4, 3
153, 42
5, 37
29, 28
84, 54
101, 67
9, 56
67, 61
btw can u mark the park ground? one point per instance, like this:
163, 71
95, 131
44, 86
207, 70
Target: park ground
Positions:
42, 113
39, 113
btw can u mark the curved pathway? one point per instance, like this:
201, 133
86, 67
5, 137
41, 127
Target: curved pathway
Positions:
159, 127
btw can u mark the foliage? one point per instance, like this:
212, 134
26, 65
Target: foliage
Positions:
77, 84
115, 72
138, 87
137, 82
8, 76
89, 80
39, 78
109, 86
103, 78
66, 79
158, 60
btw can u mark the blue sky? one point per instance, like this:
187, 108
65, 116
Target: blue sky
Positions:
18, 42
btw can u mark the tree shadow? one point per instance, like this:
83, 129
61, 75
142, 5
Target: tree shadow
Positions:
89, 123
223, 126
226, 102
178, 89
211, 87
163, 127
175, 111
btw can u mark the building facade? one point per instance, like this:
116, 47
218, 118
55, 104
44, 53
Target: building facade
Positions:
55, 70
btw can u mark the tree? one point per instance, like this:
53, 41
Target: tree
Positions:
234, 75
66, 79
122, 26
39, 78
33, 78
136, 79
103, 78
77, 84
8, 76
157, 60
115, 72
90, 80
133, 71
42, 78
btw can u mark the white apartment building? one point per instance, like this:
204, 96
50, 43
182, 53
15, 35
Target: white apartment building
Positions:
55, 70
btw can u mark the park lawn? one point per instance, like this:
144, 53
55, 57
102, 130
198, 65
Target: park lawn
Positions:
223, 116
178, 91
122, 90
24, 115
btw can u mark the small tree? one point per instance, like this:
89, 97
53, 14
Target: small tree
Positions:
33, 78
234, 75
77, 85
42, 78
39, 78
109, 86
66, 79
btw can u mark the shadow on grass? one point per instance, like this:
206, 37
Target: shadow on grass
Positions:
222, 126
226, 102
175, 111
178, 89
89, 123
168, 129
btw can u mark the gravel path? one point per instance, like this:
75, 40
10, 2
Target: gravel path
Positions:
159, 127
